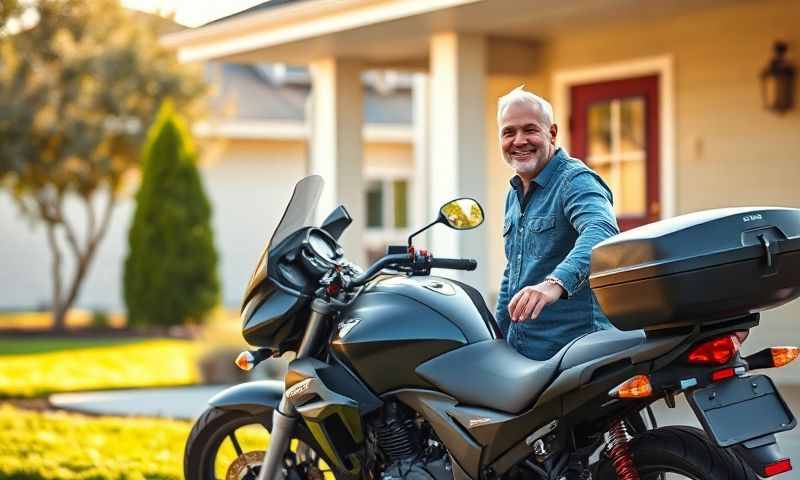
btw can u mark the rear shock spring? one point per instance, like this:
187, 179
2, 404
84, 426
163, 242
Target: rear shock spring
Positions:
620, 453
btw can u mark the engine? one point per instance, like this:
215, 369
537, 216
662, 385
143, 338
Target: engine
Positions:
404, 447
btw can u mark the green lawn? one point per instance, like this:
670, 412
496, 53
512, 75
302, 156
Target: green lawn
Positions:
63, 446
38, 367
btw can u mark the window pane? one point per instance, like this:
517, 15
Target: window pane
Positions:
632, 124
400, 203
374, 205
631, 200
599, 129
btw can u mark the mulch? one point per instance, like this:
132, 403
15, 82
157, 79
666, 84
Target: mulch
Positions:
34, 404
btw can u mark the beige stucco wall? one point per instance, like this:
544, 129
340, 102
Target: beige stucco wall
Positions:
729, 150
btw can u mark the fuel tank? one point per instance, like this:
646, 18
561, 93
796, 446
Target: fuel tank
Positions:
399, 322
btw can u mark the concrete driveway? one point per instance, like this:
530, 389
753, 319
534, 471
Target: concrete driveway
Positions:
180, 402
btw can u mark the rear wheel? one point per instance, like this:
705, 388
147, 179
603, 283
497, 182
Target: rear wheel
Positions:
680, 453
230, 445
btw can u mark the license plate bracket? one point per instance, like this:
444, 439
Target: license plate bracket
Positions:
741, 409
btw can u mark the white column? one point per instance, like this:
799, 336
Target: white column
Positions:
423, 213
336, 145
457, 143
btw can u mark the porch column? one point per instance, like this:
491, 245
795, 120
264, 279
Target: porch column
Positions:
457, 144
336, 145
423, 212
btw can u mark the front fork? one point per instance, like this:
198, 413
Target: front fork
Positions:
285, 417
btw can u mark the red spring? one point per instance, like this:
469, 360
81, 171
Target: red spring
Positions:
619, 452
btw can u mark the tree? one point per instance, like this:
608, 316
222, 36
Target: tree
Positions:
170, 272
79, 81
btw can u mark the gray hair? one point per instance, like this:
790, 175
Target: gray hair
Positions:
520, 95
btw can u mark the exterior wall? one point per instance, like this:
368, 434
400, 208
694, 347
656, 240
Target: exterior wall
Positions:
248, 183
729, 151
248, 186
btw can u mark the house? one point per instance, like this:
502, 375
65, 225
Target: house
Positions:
664, 99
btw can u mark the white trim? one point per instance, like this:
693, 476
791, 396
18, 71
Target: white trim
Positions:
663, 66
292, 23
294, 130
252, 130
388, 133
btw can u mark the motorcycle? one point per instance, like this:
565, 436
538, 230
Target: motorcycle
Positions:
399, 374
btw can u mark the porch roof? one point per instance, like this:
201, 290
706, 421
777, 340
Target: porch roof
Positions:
395, 33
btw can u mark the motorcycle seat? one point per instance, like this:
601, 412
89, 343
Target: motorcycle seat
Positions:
599, 344
491, 374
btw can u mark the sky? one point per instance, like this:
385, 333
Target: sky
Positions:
192, 12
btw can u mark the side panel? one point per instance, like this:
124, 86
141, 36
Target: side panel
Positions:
434, 407
331, 402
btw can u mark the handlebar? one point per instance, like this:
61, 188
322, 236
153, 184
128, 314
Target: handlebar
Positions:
380, 264
404, 260
455, 263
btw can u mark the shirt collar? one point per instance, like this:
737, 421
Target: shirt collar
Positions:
543, 178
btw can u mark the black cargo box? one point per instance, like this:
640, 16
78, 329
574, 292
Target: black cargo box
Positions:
699, 268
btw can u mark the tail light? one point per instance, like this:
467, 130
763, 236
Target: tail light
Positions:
718, 351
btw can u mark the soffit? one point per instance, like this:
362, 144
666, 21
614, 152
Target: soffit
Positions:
403, 41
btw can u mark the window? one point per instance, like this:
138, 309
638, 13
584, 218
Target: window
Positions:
388, 218
387, 204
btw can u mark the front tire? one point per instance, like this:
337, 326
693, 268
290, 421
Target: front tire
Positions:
226, 441
684, 451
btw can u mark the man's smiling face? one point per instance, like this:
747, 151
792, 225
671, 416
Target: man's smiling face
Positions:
526, 140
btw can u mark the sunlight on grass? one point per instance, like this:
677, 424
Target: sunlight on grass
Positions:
96, 366
76, 318
64, 446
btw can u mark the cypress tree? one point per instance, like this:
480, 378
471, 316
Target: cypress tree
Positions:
170, 273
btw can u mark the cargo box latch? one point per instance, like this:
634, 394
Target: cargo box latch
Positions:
769, 252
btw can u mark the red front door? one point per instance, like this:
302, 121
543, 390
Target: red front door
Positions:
614, 129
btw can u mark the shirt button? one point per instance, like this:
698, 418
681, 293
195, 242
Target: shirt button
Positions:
519, 256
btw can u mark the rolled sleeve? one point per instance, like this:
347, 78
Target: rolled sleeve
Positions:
587, 204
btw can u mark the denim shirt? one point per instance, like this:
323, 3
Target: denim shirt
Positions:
569, 211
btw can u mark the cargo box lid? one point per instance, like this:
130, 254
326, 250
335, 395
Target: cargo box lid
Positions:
693, 241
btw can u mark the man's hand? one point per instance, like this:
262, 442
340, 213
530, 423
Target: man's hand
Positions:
529, 302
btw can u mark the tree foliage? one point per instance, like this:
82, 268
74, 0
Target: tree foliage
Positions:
170, 273
79, 82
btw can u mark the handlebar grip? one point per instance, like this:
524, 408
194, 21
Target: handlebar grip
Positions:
455, 263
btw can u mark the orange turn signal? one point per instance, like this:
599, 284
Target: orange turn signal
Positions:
783, 355
634, 387
245, 361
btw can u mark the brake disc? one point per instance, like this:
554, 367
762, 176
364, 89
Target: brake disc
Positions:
245, 466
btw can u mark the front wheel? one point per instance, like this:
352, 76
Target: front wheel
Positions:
678, 453
230, 445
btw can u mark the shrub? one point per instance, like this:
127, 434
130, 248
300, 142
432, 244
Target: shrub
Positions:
170, 272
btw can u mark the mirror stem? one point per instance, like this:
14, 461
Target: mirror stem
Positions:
438, 220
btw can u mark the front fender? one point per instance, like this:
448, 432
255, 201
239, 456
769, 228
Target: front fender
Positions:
252, 397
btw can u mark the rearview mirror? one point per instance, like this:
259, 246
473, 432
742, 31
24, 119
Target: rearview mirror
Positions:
461, 214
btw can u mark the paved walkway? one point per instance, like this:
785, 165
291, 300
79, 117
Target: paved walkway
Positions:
180, 402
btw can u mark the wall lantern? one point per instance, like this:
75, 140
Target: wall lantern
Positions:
777, 81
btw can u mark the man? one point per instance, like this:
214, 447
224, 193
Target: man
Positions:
556, 210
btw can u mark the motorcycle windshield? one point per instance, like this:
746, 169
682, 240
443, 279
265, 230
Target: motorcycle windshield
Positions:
299, 214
